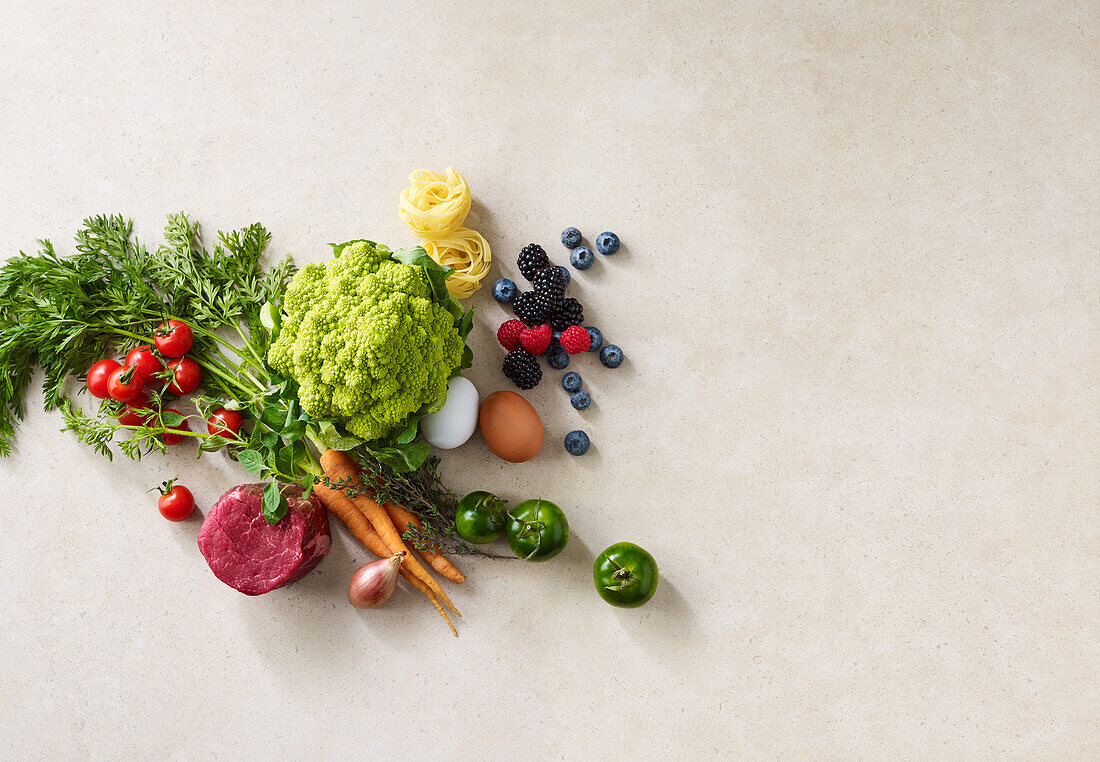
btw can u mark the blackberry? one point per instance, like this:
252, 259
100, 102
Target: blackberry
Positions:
549, 280
527, 308
549, 303
570, 313
522, 368
532, 258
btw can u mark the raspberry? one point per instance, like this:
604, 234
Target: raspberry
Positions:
575, 339
508, 334
536, 340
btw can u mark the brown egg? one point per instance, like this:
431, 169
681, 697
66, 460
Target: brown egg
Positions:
510, 426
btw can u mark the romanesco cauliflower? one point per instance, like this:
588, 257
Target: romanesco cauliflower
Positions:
364, 340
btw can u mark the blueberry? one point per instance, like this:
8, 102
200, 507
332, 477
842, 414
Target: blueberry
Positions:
555, 338
558, 358
611, 356
504, 291
581, 400
577, 442
570, 238
596, 336
581, 258
565, 272
607, 243
571, 382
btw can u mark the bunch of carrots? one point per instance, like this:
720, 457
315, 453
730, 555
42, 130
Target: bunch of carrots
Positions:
379, 528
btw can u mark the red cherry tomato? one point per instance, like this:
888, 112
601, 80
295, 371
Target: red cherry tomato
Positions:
168, 436
173, 338
186, 376
144, 362
124, 384
225, 423
129, 415
177, 503
98, 376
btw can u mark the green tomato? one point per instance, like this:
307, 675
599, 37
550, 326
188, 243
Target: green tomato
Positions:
625, 575
537, 530
479, 517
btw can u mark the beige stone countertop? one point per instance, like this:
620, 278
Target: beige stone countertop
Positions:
858, 425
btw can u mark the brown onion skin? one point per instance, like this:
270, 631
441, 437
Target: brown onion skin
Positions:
373, 584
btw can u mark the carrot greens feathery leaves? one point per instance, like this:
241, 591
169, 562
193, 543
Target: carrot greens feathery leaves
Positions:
63, 313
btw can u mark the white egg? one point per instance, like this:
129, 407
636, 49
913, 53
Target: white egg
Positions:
456, 420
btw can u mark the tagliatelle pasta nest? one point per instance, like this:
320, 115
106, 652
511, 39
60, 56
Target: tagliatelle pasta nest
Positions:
434, 206
468, 253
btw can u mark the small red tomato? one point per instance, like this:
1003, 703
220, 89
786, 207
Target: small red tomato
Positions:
144, 362
173, 338
98, 376
124, 384
186, 376
225, 423
129, 415
168, 436
177, 503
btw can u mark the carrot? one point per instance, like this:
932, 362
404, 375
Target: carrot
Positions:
338, 467
345, 510
439, 562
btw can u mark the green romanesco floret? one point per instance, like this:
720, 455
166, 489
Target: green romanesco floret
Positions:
364, 340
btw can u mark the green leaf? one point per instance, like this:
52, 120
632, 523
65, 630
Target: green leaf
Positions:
466, 324
269, 439
467, 359
213, 443
273, 415
336, 439
409, 429
275, 504
404, 458
271, 318
338, 248
436, 273
294, 431
284, 459
169, 419
251, 461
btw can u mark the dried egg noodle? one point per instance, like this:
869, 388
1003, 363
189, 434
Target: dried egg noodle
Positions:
435, 204
434, 207
468, 253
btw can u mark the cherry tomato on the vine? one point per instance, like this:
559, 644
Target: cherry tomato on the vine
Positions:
225, 423
186, 376
98, 376
130, 416
173, 338
171, 438
176, 502
144, 362
124, 384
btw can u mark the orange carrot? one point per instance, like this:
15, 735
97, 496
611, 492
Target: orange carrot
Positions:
345, 510
439, 562
339, 467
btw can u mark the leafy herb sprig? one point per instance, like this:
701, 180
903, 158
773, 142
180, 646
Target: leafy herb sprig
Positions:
421, 492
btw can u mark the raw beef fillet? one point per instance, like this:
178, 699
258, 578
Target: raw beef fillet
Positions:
250, 555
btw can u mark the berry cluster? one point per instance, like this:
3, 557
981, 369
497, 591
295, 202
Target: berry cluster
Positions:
547, 321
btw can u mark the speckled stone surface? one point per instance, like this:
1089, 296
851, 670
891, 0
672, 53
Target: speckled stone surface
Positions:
858, 425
